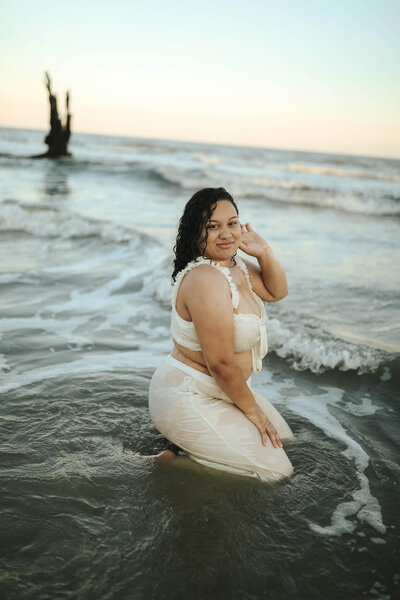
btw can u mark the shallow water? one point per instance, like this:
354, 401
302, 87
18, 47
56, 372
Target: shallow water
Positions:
84, 277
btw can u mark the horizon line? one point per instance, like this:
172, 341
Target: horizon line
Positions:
230, 145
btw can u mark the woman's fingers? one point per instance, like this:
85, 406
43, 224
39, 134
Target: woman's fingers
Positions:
263, 436
273, 435
265, 427
275, 438
268, 430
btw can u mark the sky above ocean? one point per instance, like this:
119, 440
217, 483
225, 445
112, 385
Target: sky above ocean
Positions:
302, 75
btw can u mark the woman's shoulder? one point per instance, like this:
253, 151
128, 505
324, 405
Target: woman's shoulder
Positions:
209, 284
203, 289
201, 274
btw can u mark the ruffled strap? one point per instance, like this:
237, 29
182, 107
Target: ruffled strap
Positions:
178, 280
261, 348
240, 262
204, 261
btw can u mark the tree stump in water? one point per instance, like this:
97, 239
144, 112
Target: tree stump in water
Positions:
58, 137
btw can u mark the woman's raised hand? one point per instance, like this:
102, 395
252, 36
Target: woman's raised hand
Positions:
252, 243
257, 416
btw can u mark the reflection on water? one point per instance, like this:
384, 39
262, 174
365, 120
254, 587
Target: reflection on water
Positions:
56, 177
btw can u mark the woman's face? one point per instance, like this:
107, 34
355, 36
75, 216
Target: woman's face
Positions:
224, 233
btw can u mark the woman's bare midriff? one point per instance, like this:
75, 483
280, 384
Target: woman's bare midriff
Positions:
195, 360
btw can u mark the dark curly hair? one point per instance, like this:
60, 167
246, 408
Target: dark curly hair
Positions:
196, 214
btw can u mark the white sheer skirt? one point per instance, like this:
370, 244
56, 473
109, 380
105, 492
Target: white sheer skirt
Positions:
190, 410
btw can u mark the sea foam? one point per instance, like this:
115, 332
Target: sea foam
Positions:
50, 223
316, 409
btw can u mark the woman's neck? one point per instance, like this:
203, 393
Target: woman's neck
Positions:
222, 263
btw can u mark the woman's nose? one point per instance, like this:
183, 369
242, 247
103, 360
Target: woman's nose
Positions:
225, 233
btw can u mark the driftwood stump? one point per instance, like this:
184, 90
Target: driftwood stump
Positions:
58, 137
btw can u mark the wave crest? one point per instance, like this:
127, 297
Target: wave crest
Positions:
308, 346
46, 222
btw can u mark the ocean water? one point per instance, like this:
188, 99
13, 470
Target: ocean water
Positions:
85, 263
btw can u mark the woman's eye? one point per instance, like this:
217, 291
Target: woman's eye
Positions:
215, 226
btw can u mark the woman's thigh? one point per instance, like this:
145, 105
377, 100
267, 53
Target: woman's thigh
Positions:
216, 433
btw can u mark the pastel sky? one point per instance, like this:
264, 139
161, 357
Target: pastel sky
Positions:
312, 75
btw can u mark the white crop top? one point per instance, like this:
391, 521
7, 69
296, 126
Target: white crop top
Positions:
249, 329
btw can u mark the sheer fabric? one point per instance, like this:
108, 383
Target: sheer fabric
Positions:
192, 411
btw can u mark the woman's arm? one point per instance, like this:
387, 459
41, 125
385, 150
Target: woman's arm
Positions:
269, 280
207, 298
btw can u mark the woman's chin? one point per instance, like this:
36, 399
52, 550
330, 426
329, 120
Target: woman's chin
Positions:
221, 254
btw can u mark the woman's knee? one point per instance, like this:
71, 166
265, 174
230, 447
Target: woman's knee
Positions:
278, 467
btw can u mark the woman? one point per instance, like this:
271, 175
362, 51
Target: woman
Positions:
200, 396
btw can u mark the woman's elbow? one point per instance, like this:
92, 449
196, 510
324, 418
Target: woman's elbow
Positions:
221, 366
277, 297
283, 294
